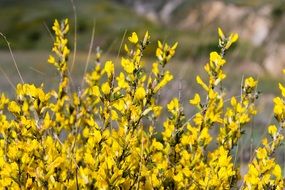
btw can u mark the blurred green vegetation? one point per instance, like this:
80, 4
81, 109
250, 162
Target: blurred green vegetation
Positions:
26, 25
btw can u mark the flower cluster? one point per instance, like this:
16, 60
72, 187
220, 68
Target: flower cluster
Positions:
264, 172
106, 136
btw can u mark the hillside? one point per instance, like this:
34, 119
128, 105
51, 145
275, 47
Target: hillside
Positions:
191, 23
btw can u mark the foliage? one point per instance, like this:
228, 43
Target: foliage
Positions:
105, 135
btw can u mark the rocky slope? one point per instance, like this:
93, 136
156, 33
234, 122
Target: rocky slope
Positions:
260, 24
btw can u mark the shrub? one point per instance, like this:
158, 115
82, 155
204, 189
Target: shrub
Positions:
105, 136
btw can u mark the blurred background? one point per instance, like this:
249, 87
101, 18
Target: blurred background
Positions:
260, 51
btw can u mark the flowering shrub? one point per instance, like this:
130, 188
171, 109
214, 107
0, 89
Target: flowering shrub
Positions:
106, 137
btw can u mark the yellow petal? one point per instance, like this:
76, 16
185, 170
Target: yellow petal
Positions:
199, 81
134, 38
221, 33
196, 100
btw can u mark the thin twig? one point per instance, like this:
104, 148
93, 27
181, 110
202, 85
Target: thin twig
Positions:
49, 32
179, 90
12, 55
251, 132
251, 137
240, 96
75, 34
121, 44
141, 159
89, 52
38, 71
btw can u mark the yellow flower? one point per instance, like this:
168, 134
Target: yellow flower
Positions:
47, 121
128, 66
233, 37
121, 81
261, 153
156, 110
168, 129
29, 183
140, 93
196, 100
86, 132
88, 158
164, 52
56, 163
173, 104
233, 101
155, 69
272, 130
95, 91
212, 94
200, 81
205, 136
279, 106
65, 52
166, 78
154, 180
109, 68
179, 177
159, 54
216, 59
282, 88
51, 60
250, 82
133, 38
95, 137
221, 33
157, 145
14, 107
106, 88
277, 172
